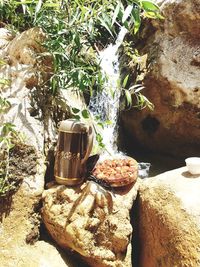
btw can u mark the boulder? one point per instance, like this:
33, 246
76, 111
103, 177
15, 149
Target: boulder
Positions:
91, 221
22, 74
172, 82
169, 220
23, 68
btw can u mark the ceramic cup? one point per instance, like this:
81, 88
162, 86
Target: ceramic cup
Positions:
193, 165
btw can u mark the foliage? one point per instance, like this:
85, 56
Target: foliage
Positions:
76, 30
135, 90
132, 84
8, 138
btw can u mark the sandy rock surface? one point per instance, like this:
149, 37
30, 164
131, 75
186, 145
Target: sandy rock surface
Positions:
92, 222
169, 220
172, 82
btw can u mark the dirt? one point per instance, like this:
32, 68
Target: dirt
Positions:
22, 163
16, 210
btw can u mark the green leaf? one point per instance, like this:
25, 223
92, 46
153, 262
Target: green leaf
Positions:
99, 138
77, 40
101, 124
23, 2
56, 5
108, 122
85, 114
136, 88
116, 12
153, 15
149, 6
147, 102
77, 117
105, 25
137, 19
125, 81
75, 110
2, 62
128, 98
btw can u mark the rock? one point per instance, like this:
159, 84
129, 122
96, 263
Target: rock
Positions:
25, 47
169, 220
23, 76
91, 221
172, 82
41, 254
32, 112
5, 37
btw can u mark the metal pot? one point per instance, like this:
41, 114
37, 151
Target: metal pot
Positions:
75, 140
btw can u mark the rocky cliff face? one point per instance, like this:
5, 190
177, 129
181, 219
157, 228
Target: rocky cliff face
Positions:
172, 82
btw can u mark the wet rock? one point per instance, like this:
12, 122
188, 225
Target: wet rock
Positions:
169, 220
172, 82
91, 221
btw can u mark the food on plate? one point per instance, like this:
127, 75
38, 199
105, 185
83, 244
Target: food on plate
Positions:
117, 172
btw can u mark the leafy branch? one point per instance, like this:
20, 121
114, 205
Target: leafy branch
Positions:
135, 91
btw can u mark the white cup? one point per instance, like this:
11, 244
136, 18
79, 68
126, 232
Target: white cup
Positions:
193, 165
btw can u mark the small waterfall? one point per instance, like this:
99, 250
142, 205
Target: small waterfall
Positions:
105, 104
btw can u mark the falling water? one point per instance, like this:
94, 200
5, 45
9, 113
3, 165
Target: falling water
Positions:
105, 104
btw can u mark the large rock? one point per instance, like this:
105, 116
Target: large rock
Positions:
23, 69
169, 220
172, 82
92, 222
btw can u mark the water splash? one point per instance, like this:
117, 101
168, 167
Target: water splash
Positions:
105, 104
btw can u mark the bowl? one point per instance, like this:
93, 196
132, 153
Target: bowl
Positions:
193, 165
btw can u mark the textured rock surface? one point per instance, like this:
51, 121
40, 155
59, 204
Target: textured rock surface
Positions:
172, 83
31, 110
23, 72
169, 220
90, 222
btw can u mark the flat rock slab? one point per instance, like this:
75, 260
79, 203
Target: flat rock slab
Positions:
169, 220
91, 221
